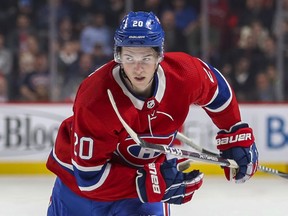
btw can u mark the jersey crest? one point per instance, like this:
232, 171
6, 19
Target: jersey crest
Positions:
134, 155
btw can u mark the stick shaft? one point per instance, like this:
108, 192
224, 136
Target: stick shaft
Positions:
189, 142
188, 154
204, 155
170, 150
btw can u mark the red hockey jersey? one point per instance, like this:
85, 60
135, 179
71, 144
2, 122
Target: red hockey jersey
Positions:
93, 154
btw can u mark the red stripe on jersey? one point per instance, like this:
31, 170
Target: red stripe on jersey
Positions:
166, 209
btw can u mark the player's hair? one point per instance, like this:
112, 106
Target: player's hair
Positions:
139, 29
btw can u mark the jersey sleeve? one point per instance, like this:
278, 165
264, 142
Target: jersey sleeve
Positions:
95, 142
96, 176
82, 156
216, 96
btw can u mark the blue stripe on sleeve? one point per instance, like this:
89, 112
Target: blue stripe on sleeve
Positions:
224, 92
90, 178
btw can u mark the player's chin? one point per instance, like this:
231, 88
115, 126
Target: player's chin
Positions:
141, 84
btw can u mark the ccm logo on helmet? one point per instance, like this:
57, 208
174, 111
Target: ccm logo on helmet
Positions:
154, 178
136, 37
233, 139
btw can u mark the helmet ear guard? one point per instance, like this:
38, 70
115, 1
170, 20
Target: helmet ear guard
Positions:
139, 29
117, 51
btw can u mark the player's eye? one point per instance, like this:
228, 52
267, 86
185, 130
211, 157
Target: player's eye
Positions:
147, 59
142, 60
128, 59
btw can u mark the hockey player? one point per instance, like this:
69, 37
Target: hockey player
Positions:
100, 170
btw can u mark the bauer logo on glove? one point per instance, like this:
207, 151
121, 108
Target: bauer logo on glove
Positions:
238, 144
154, 178
158, 182
234, 138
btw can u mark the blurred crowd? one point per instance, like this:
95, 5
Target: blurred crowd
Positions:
242, 38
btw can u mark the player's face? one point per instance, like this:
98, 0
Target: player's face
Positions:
139, 64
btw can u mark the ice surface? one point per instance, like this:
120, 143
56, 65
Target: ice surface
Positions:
261, 196
257, 197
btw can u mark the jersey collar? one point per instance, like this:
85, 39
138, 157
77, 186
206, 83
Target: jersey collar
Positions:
158, 94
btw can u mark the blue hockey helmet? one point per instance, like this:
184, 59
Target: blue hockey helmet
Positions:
139, 29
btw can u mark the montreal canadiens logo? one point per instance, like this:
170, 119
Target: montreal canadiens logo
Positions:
138, 152
133, 154
137, 156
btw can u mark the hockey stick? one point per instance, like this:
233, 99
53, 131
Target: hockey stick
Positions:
189, 142
205, 155
170, 150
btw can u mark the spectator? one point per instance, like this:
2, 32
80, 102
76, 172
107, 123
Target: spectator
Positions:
99, 56
6, 58
62, 8
273, 78
3, 89
33, 46
269, 50
26, 63
17, 39
6, 62
81, 10
156, 6
84, 68
185, 14
249, 46
252, 10
8, 13
187, 21
97, 32
257, 10
175, 40
26, 7
114, 13
35, 85
237, 29
218, 16
67, 58
66, 31
227, 72
259, 33
264, 90
243, 79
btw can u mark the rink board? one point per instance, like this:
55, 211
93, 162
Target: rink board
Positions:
34, 168
28, 131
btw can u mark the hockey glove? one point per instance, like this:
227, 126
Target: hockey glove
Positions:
238, 144
158, 182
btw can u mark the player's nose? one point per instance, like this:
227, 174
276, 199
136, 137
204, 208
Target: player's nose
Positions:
138, 66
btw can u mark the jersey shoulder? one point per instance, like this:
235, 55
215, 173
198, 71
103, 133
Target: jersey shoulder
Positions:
183, 63
178, 56
183, 67
92, 103
190, 74
94, 86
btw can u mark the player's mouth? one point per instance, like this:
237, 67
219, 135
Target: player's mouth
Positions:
139, 79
